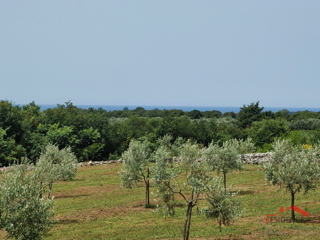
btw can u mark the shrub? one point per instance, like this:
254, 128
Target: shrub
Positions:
23, 214
55, 165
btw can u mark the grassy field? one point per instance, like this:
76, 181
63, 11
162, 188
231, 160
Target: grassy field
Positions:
94, 206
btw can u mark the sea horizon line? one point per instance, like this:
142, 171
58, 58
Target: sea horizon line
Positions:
222, 109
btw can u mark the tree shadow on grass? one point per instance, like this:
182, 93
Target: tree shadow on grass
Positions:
67, 221
241, 192
78, 180
312, 219
145, 206
72, 196
153, 206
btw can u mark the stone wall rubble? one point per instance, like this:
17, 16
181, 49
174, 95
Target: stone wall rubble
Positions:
255, 158
250, 158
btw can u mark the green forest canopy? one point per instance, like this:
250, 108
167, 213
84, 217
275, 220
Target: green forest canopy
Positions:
97, 134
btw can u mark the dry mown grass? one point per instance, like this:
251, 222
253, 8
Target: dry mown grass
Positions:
94, 206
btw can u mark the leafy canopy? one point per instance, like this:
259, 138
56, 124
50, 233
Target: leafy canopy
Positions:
23, 214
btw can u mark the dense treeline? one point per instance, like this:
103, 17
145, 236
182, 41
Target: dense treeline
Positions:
97, 134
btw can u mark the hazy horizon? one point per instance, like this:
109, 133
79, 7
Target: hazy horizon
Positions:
161, 53
222, 109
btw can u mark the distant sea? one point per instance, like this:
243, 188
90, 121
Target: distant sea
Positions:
183, 108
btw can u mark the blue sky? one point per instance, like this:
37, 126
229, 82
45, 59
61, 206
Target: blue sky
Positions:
178, 53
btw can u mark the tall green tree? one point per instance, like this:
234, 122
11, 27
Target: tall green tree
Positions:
284, 113
11, 120
10, 151
249, 114
65, 114
137, 127
212, 114
194, 114
62, 136
176, 127
33, 141
304, 115
89, 144
264, 132
227, 129
205, 131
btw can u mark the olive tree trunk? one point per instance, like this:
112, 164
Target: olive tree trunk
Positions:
187, 222
293, 217
147, 182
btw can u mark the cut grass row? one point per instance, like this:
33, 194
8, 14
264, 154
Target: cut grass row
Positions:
94, 206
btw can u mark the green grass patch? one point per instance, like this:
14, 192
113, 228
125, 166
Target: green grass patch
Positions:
94, 206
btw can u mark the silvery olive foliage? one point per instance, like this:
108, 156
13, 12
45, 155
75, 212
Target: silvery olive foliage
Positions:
56, 165
305, 124
176, 146
223, 205
294, 167
191, 179
173, 149
165, 141
194, 181
163, 175
136, 166
23, 213
223, 158
243, 147
226, 121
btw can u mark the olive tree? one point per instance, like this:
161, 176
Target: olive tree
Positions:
243, 147
194, 182
173, 148
163, 174
55, 165
165, 141
23, 214
136, 167
223, 159
223, 205
294, 167
191, 179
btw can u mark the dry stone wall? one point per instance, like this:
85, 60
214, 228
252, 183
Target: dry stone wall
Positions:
256, 158
250, 158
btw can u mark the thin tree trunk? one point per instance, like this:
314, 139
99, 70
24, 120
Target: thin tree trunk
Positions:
147, 200
40, 194
50, 188
225, 181
293, 218
187, 222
